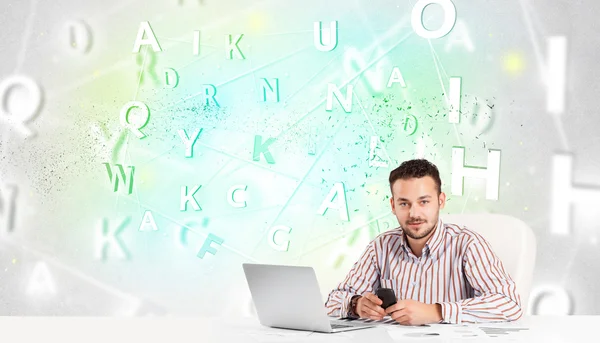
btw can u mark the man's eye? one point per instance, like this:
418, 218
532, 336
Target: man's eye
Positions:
424, 201
402, 204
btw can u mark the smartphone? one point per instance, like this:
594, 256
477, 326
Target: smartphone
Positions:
387, 296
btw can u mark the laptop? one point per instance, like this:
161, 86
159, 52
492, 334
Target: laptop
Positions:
288, 297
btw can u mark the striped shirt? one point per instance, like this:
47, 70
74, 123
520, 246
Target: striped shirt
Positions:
457, 269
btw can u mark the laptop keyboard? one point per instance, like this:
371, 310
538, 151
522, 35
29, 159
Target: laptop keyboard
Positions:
339, 326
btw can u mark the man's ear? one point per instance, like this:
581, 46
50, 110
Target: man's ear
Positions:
393, 204
442, 199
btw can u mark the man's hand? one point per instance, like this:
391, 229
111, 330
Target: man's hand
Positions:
369, 306
412, 312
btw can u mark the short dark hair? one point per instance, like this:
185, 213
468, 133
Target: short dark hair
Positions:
416, 169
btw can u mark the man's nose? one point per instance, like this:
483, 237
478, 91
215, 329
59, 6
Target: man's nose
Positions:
412, 212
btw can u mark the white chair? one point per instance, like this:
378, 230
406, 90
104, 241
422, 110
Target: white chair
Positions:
512, 241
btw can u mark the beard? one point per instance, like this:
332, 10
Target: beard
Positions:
421, 234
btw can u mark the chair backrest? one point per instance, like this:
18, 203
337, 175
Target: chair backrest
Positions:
512, 241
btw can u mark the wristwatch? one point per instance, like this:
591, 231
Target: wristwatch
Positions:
353, 303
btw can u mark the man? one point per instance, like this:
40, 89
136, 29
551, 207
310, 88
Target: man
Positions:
439, 272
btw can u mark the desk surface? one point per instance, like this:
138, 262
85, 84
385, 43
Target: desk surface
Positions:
169, 329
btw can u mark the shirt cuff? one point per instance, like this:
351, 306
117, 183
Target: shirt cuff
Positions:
451, 312
346, 310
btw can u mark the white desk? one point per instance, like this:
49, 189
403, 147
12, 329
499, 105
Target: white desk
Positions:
200, 330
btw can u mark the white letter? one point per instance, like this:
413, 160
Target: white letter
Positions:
564, 194
189, 142
454, 99
149, 40
231, 196
271, 238
374, 159
325, 39
168, 83
491, 174
7, 207
337, 190
460, 36
345, 102
231, 45
266, 86
196, 43
185, 198
148, 223
105, 239
41, 281
396, 77
556, 77
449, 18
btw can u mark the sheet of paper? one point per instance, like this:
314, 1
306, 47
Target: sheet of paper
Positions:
435, 332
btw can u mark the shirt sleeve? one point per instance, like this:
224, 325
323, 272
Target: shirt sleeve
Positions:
362, 278
496, 297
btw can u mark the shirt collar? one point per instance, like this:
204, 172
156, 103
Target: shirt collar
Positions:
433, 243
435, 240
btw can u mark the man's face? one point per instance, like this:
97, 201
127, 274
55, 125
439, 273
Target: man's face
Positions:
417, 205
